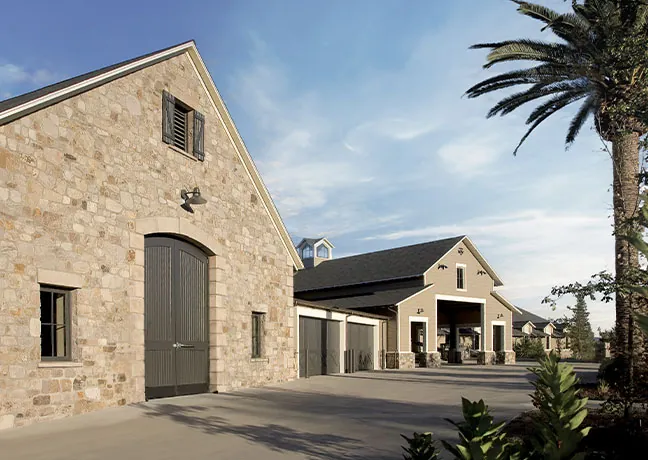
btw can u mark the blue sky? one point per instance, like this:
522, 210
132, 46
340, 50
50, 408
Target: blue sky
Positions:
353, 113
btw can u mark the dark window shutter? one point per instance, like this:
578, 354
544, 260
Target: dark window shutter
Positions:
168, 105
199, 136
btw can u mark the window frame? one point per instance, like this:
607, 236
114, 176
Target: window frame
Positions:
310, 249
464, 286
67, 296
258, 334
322, 246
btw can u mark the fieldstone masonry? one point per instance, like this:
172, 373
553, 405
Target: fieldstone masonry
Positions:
396, 360
81, 184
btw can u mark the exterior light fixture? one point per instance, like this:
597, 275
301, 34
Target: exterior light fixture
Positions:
192, 197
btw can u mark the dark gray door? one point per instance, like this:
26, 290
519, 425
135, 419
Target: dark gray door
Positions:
359, 355
176, 318
319, 346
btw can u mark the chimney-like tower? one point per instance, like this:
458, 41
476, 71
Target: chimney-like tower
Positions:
314, 251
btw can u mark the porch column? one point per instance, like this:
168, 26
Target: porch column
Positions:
486, 355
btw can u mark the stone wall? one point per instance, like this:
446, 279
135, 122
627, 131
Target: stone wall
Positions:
403, 360
75, 179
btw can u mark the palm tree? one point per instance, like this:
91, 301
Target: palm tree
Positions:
600, 59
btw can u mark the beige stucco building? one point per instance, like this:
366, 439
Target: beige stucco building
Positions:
420, 289
140, 253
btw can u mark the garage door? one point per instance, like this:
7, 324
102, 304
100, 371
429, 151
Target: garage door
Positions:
359, 355
319, 346
176, 358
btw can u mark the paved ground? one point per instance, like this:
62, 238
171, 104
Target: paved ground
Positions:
358, 416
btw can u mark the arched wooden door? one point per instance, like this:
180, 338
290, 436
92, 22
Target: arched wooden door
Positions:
176, 330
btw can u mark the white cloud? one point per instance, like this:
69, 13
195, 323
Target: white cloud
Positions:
469, 157
13, 76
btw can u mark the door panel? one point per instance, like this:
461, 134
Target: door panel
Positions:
360, 347
176, 318
319, 347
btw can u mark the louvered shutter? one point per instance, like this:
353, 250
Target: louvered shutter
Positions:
168, 105
199, 135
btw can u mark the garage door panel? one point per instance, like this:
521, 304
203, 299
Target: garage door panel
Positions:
360, 348
319, 346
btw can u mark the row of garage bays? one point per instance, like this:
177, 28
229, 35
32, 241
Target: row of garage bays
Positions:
338, 341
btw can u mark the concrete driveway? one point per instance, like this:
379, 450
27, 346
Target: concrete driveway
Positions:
358, 416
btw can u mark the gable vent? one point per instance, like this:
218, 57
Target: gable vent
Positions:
180, 115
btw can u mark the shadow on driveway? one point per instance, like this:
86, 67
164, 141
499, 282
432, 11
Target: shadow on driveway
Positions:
275, 437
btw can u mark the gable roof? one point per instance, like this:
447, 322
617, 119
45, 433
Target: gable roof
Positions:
19, 106
314, 241
389, 264
525, 316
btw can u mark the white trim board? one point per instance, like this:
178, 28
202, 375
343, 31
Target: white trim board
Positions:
456, 298
429, 286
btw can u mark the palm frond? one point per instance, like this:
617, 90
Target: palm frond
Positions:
568, 96
532, 50
551, 107
587, 108
544, 73
539, 12
510, 103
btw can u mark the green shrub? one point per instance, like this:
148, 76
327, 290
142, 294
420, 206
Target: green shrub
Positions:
557, 433
420, 446
479, 437
529, 348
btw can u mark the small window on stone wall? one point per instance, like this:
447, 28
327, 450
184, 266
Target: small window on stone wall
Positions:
182, 126
55, 307
258, 320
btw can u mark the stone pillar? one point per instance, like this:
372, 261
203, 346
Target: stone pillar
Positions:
432, 359
505, 357
402, 360
486, 357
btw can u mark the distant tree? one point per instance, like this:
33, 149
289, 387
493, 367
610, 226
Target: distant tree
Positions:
579, 331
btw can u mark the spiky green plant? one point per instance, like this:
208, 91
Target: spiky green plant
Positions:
600, 59
479, 437
557, 432
420, 446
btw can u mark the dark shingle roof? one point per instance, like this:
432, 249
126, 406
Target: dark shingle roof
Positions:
397, 263
521, 319
518, 333
33, 95
373, 299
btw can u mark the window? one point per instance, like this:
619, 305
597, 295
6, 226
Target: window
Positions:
181, 124
548, 343
461, 277
323, 251
257, 334
55, 323
307, 252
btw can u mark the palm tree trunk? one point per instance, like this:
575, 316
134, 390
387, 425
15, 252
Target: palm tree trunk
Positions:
625, 158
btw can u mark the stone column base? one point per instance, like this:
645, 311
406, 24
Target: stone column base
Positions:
505, 357
486, 357
431, 359
396, 360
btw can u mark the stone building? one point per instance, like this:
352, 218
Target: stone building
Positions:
126, 181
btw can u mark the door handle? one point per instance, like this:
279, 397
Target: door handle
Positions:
182, 345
